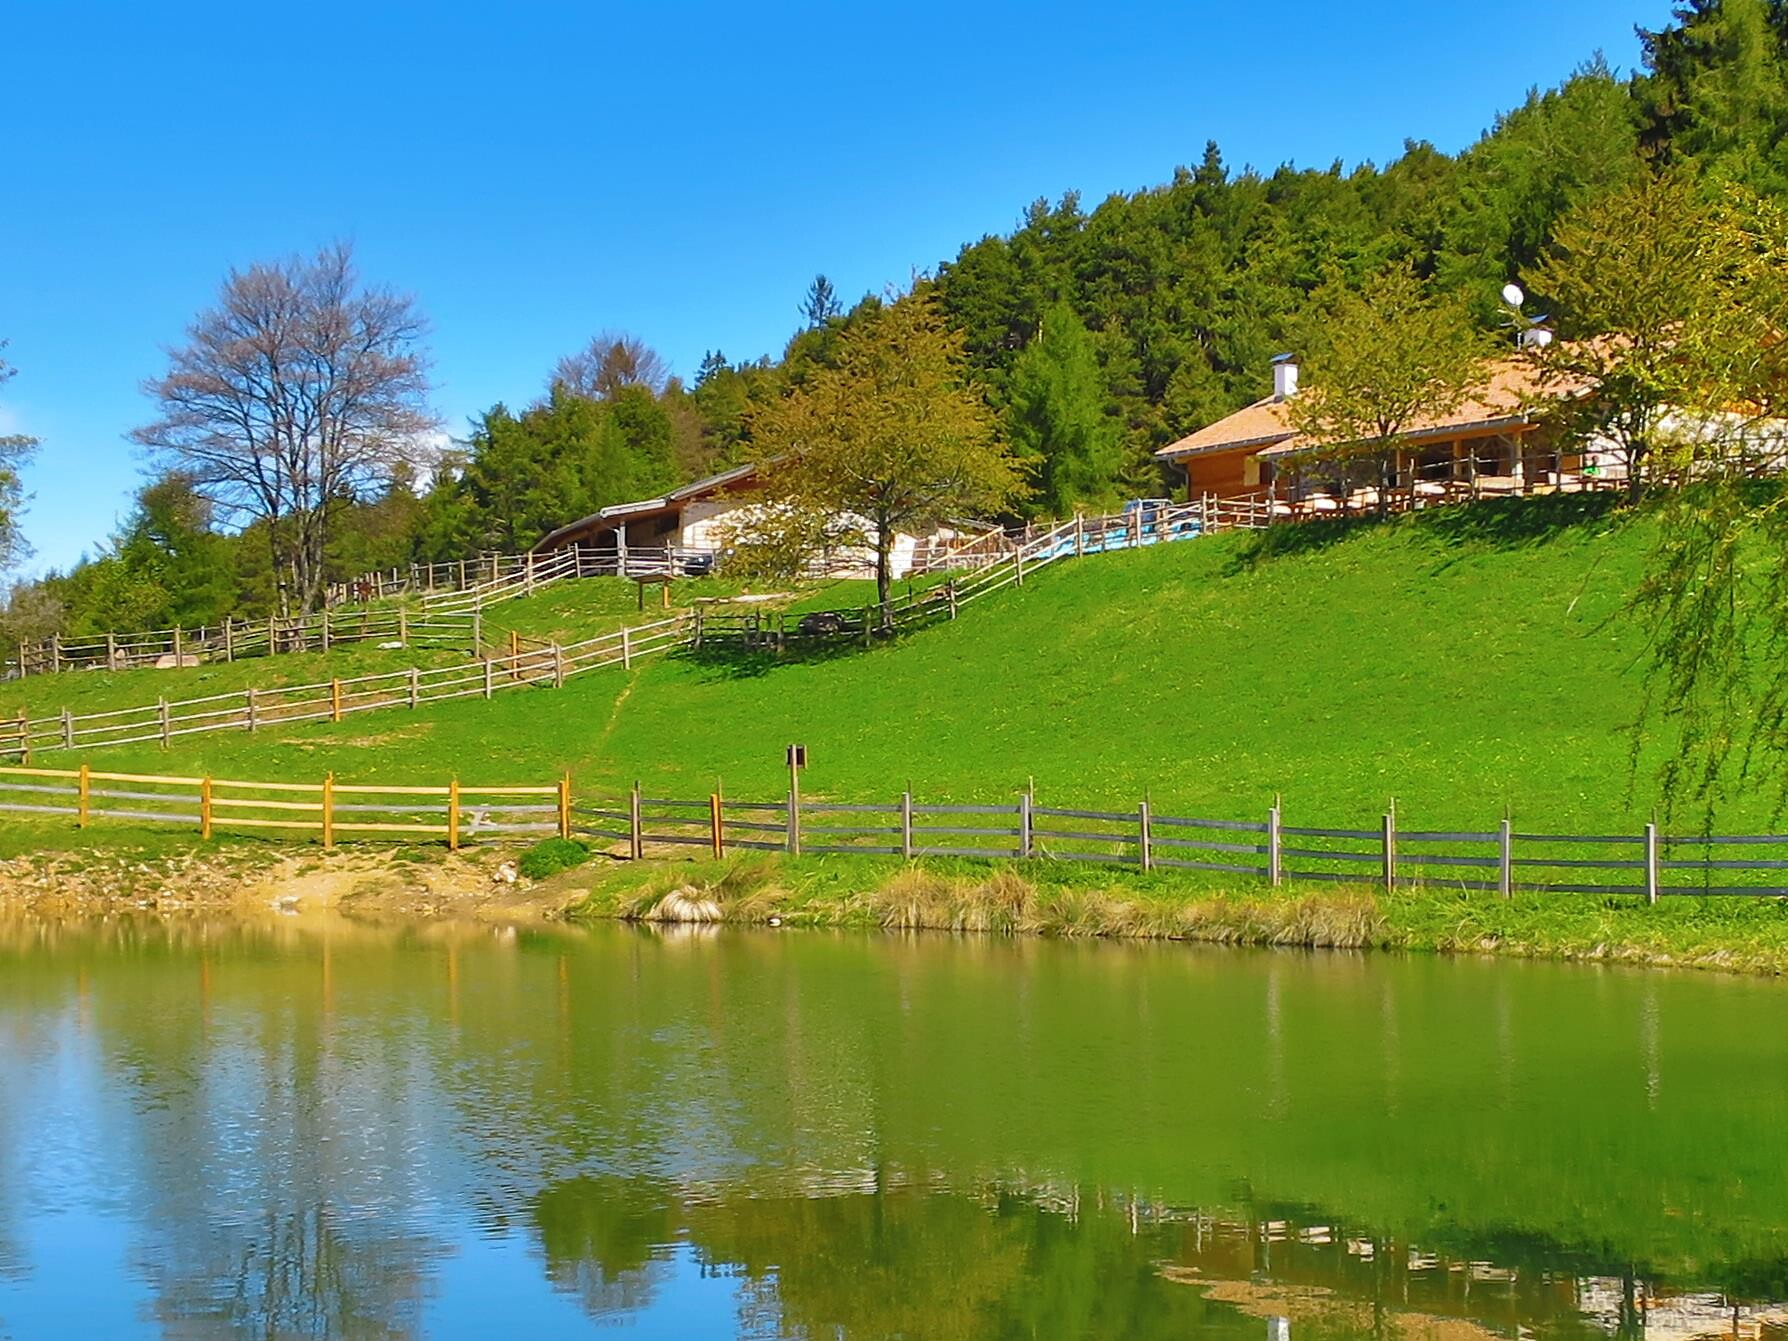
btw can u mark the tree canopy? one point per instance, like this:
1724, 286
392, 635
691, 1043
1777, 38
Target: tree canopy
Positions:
895, 432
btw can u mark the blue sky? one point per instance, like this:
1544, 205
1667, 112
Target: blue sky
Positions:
535, 172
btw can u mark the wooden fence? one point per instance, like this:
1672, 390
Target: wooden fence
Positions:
1501, 860
525, 662
453, 814
240, 639
334, 700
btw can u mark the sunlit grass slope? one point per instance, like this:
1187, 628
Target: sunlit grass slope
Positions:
1461, 662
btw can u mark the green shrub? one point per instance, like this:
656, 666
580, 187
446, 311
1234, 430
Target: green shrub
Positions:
550, 856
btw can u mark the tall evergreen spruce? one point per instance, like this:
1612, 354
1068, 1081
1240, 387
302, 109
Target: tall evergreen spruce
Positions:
1056, 416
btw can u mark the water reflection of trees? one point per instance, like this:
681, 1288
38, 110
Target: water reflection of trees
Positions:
291, 1274
804, 1109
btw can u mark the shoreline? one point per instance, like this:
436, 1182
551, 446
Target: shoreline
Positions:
1732, 935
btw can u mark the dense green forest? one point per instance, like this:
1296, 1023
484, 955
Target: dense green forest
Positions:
1098, 334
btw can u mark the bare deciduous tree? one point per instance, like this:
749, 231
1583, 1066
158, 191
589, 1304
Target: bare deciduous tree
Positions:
612, 360
299, 391
14, 449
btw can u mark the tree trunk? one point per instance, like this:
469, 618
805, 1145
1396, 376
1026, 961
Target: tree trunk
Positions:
884, 572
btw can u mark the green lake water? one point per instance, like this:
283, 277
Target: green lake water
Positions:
220, 1130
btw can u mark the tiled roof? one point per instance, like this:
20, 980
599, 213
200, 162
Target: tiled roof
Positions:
1512, 383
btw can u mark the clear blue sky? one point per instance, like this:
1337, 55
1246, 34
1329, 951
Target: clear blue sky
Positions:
535, 172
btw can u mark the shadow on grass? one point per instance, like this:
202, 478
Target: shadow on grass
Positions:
1497, 523
737, 659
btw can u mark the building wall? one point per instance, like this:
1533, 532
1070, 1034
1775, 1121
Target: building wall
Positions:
1222, 473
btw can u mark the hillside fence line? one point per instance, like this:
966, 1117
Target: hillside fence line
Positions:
1500, 860
527, 662
239, 639
447, 597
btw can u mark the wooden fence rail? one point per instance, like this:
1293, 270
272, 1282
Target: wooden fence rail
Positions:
533, 663
451, 813
1499, 860
237, 640
334, 700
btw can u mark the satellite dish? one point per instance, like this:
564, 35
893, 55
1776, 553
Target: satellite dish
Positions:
1512, 295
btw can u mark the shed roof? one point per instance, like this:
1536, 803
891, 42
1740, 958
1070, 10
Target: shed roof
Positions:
617, 513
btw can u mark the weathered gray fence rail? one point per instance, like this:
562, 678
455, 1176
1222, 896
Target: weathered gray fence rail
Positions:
1502, 860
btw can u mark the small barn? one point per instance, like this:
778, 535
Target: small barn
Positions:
689, 525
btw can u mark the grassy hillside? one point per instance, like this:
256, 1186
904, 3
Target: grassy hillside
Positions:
1461, 662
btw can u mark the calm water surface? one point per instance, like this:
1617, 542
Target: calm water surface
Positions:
290, 1131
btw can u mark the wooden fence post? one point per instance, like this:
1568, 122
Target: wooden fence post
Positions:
1275, 867
85, 794
558, 667
68, 729
794, 818
1018, 565
335, 700
205, 808
252, 711
489, 687
179, 644
906, 825
477, 631
565, 807
627, 643
1024, 822
1079, 535
229, 639
325, 633
24, 739
166, 724
1389, 835
1651, 863
272, 635
528, 572
1145, 843
950, 591
714, 829
328, 810
453, 815
636, 833
415, 687
1505, 859
403, 626
55, 653
111, 653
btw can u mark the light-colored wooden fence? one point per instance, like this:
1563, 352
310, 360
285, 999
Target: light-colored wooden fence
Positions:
525, 662
334, 700
323, 811
1503, 860
1500, 860
236, 640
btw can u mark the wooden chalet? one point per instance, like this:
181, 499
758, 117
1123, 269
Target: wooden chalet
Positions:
1491, 444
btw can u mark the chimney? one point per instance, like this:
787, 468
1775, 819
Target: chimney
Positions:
1285, 376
